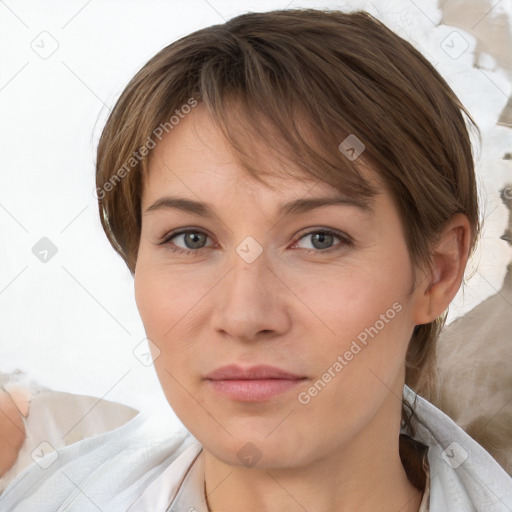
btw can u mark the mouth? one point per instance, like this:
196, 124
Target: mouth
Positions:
254, 384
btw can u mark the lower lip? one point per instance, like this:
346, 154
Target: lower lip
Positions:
256, 390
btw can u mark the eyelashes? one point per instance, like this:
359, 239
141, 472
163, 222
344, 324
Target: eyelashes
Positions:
344, 239
325, 233
174, 234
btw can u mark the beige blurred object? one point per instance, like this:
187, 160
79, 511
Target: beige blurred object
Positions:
21, 398
12, 429
474, 354
491, 28
51, 420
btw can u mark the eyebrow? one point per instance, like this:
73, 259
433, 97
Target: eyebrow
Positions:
296, 206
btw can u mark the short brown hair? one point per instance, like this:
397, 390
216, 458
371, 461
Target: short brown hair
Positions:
342, 74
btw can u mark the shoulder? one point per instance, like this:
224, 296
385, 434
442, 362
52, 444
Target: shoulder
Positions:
107, 471
463, 475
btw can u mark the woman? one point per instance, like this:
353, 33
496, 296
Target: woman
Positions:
294, 193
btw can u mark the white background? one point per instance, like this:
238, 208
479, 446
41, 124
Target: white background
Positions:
71, 323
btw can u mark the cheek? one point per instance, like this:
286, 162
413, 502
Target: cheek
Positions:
355, 365
164, 297
172, 312
365, 313
348, 302
162, 308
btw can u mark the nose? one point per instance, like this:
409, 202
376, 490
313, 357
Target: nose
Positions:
251, 302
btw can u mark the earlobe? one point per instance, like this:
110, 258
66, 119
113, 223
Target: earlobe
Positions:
449, 259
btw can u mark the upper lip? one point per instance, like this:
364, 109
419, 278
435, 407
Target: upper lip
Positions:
260, 372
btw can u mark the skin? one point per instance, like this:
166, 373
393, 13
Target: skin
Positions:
296, 307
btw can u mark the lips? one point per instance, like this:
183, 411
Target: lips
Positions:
253, 384
234, 372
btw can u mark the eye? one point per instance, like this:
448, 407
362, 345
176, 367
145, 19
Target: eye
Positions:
192, 239
322, 240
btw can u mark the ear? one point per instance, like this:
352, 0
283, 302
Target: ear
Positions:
449, 259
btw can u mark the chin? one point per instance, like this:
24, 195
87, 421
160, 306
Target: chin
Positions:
255, 449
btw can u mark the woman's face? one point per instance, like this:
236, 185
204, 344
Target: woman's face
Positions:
251, 285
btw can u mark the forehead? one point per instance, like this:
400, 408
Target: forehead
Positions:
195, 159
197, 144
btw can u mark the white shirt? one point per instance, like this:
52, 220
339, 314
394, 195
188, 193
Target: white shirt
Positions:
140, 467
